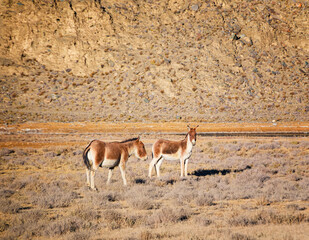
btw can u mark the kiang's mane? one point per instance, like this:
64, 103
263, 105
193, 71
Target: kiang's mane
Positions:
129, 140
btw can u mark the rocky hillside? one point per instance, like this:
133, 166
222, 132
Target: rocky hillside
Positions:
212, 61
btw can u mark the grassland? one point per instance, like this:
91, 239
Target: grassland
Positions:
237, 188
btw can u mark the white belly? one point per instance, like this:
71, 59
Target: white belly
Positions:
108, 163
172, 157
176, 156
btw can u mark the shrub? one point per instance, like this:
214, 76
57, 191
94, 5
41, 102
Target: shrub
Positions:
268, 217
242, 221
269, 146
142, 197
6, 152
168, 215
115, 219
6, 193
26, 224
80, 235
295, 207
239, 236
9, 206
52, 196
87, 214
142, 203
202, 220
63, 226
3, 225
204, 199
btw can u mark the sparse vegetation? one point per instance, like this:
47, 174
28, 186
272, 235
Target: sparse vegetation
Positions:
227, 186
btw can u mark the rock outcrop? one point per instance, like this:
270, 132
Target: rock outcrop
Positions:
150, 60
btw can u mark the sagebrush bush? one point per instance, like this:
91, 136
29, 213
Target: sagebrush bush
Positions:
168, 215
9, 206
80, 235
6, 193
4, 225
240, 236
142, 197
202, 220
86, 213
268, 217
52, 196
27, 224
63, 226
268, 146
204, 199
142, 203
115, 219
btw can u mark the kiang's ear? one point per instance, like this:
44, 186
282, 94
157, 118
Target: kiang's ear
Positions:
188, 126
197, 126
138, 138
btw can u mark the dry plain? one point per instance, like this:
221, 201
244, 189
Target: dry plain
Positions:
73, 71
237, 188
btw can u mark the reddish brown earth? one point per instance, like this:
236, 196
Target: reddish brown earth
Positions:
123, 129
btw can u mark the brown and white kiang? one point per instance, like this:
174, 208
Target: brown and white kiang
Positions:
173, 150
110, 155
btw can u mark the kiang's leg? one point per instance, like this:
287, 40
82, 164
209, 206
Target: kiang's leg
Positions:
186, 167
95, 167
122, 166
92, 180
152, 164
182, 163
88, 177
158, 165
110, 172
123, 174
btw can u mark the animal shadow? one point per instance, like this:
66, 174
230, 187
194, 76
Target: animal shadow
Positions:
208, 172
140, 181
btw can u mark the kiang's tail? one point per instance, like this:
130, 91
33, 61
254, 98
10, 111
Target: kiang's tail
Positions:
85, 156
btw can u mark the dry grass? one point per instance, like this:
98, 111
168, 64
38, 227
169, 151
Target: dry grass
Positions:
236, 189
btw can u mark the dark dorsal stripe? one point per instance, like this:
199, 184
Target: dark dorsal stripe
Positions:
129, 140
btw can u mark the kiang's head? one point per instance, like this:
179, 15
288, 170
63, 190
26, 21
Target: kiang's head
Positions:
140, 149
192, 134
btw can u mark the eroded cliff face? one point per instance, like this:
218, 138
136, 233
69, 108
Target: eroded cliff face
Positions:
159, 60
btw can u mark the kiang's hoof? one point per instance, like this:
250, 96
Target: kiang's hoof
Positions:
93, 189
